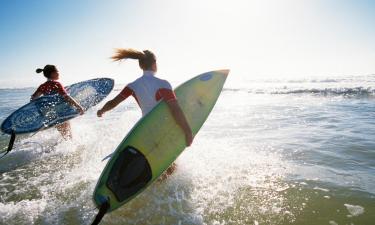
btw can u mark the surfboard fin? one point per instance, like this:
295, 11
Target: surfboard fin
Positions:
10, 145
102, 210
108, 156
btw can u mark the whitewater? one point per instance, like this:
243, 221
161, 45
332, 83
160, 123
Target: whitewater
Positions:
275, 150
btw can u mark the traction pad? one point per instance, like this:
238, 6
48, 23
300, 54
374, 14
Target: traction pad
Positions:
130, 173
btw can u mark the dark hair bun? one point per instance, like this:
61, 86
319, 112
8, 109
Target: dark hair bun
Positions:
39, 70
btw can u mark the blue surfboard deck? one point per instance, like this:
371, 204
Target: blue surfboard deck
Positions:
47, 111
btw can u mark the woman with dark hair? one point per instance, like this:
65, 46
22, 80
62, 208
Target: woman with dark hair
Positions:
52, 87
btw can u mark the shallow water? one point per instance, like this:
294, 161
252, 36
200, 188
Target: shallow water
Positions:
281, 151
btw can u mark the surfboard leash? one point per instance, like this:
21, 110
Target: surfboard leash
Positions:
102, 210
10, 145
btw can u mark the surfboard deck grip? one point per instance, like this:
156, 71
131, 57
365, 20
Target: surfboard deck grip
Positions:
130, 173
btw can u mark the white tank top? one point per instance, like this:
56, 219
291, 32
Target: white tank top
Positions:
145, 88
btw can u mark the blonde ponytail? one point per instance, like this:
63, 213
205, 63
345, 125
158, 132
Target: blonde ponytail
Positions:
128, 53
145, 58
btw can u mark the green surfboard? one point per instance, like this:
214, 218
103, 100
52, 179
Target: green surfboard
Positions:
155, 141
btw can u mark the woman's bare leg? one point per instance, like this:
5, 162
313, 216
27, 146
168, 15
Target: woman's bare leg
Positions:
65, 130
171, 169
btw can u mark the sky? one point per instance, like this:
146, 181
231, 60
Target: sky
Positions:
253, 38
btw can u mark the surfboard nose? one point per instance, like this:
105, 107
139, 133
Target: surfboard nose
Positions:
224, 72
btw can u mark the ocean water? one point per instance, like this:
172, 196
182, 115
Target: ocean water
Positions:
273, 151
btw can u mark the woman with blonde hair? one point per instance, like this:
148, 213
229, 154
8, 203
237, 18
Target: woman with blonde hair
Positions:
148, 90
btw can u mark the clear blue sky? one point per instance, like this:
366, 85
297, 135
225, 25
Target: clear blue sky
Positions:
253, 38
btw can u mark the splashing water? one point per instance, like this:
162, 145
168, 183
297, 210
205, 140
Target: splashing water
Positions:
259, 159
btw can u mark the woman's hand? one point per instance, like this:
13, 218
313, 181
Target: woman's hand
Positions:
188, 138
74, 103
110, 105
100, 113
81, 110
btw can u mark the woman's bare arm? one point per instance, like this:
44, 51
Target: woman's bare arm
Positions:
36, 94
74, 103
180, 118
110, 105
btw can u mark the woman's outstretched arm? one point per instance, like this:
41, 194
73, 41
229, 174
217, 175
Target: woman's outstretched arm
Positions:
110, 105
